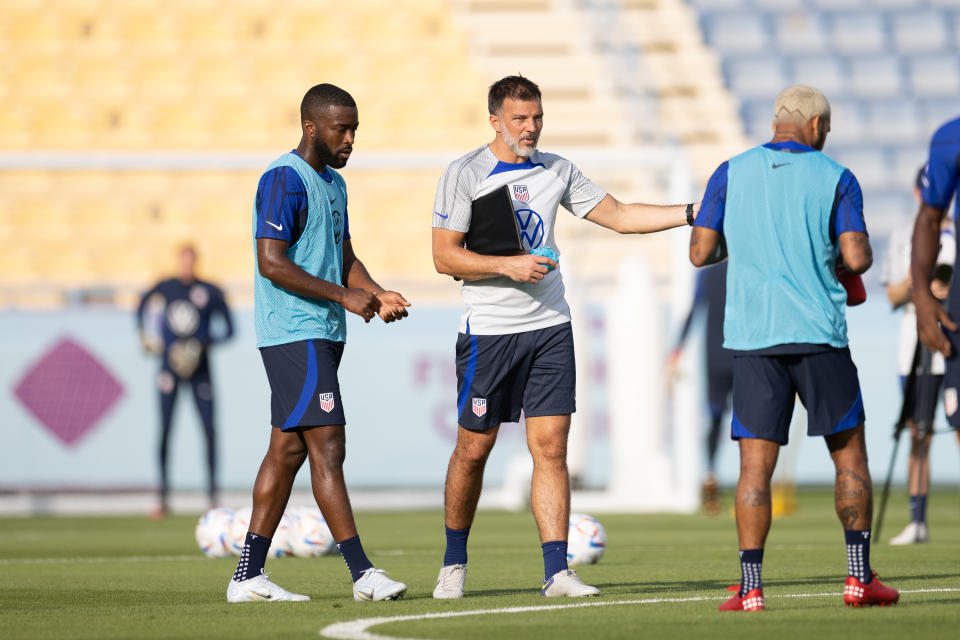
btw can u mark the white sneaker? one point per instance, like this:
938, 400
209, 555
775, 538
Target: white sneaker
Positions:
913, 533
260, 589
450, 582
567, 583
375, 585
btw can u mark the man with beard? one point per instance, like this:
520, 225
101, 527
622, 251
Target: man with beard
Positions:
307, 278
515, 347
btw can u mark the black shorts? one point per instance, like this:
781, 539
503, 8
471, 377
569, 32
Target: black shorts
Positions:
304, 388
764, 389
500, 375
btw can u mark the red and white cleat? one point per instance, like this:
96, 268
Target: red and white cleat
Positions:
857, 594
752, 601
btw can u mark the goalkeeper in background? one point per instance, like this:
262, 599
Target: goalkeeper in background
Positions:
175, 321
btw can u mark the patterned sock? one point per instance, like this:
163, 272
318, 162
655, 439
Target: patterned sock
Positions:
751, 564
858, 554
252, 558
554, 558
353, 555
456, 552
921, 514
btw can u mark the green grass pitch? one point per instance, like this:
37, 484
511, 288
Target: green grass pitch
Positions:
127, 577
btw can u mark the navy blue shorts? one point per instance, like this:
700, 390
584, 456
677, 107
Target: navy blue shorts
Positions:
500, 375
923, 401
764, 389
719, 388
304, 388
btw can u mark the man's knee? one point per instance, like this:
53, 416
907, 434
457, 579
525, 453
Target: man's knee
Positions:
327, 447
474, 447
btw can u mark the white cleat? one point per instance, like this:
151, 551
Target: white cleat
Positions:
913, 533
567, 584
450, 582
260, 589
375, 585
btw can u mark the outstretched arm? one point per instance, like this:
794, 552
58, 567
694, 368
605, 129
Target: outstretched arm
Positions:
450, 258
273, 263
930, 315
393, 306
638, 217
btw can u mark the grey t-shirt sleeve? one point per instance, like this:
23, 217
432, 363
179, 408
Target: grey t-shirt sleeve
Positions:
451, 210
581, 195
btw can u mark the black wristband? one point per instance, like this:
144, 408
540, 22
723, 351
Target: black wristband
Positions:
690, 214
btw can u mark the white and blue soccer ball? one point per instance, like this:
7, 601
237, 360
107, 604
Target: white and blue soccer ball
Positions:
586, 540
309, 534
280, 546
238, 529
213, 532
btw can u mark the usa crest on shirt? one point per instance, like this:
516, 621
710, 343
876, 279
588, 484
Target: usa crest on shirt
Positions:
326, 402
479, 407
520, 192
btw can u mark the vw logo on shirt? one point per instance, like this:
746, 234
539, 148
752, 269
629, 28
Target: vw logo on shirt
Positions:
531, 228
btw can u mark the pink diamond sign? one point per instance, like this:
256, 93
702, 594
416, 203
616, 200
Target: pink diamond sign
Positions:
68, 391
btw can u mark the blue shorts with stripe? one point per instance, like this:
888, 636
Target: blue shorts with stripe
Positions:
500, 375
765, 388
304, 388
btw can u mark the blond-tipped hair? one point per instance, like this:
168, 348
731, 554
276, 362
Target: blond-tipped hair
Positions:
800, 103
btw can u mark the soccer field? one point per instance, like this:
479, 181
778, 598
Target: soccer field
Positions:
662, 577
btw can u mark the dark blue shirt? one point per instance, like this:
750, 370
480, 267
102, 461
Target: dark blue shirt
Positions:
187, 311
282, 205
942, 173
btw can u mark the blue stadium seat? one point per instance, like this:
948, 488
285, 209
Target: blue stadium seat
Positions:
919, 30
847, 121
799, 32
934, 74
858, 32
896, 121
755, 76
737, 32
757, 116
876, 75
934, 112
827, 73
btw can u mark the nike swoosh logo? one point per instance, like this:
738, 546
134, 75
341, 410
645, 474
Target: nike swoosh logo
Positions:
782, 164
264, 596
437, 213
277, 227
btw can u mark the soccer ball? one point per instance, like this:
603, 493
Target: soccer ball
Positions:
586, 540
238, 529
279, 546
309, 534
213, 532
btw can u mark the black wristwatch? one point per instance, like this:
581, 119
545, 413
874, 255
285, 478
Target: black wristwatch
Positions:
690, 214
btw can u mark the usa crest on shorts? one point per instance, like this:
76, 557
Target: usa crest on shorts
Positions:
326, 402
479, 407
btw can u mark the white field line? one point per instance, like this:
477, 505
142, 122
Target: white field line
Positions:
357, 629
119, 559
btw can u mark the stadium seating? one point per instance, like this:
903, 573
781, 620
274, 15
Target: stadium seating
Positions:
891, 69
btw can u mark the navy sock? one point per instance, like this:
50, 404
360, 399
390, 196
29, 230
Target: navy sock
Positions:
858, 554
918, 508
751, 565
554, 558
456, 552
252, 558
353, 555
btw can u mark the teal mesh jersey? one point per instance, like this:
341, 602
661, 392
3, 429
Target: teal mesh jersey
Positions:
281, 317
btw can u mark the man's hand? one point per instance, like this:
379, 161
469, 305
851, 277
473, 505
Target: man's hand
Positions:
527, 268
393, 306
930, 315
363, 303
